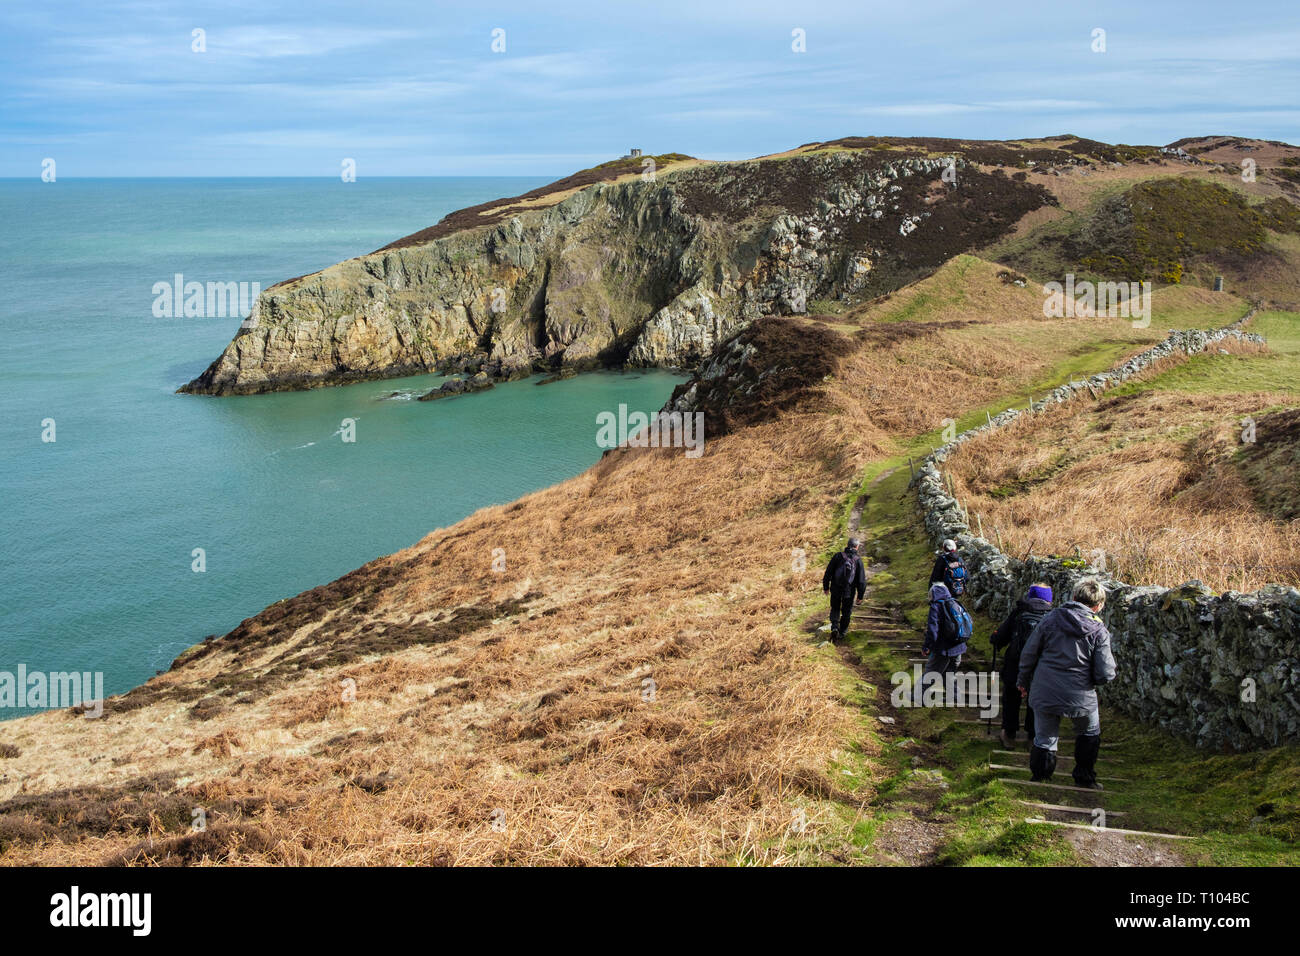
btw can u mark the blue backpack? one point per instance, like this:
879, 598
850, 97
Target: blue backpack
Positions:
956, 627
954, 575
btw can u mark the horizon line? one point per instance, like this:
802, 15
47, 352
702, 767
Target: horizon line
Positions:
61, 178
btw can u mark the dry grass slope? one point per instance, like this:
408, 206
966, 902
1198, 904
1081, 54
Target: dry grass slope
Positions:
1159, 481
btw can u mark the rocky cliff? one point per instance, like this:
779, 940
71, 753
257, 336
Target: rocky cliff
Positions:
639, 270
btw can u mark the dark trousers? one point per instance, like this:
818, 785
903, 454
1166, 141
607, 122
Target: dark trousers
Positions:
841, 611
1011, 701
940, 663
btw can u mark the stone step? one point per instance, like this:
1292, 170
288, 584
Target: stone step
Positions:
1049, 786
1084, 826
1062, 808
1003, 766
1025, 753
997, 725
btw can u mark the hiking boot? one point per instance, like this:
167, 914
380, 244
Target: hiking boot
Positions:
1008, 741
1086, 748
1042, 764
1094, 785
835, 636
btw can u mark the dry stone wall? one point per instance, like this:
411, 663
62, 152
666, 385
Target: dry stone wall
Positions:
1222, 670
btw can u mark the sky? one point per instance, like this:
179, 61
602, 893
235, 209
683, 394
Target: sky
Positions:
416, 88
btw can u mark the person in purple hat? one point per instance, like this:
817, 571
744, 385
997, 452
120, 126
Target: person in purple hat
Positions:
1013, 634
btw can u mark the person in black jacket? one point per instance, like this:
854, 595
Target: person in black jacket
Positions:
1013, 633
844, 577
941, 560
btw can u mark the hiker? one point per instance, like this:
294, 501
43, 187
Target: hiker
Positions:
1012, 634
1066, 657
949, 570
947, 630
844, 576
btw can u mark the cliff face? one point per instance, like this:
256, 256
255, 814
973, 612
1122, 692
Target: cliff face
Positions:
626, 272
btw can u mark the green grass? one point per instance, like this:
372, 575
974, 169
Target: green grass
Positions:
944, 288
1278, 370
963, 284
1174, 307
981, 826
1099, 357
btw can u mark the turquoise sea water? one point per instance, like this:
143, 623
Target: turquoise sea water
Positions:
99, 526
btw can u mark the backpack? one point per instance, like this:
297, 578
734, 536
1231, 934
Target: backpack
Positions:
1024, 627
954, 575
846, 575
955, 625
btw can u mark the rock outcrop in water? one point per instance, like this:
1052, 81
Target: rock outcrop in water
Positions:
635, 272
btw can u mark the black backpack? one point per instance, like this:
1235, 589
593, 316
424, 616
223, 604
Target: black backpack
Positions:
846, 575
1025, 625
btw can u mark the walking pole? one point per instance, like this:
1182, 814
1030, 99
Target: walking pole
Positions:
993, 669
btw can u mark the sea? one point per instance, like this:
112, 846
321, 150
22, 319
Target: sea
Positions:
136, 521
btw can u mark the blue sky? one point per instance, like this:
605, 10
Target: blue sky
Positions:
414, 88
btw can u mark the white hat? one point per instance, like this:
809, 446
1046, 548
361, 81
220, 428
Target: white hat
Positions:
949, 545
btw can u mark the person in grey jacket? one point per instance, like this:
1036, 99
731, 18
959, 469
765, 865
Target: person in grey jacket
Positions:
1067, 656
